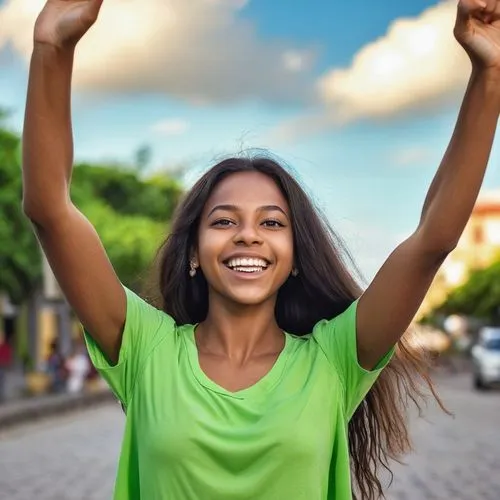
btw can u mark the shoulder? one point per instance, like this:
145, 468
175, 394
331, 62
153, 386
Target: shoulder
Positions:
342, 324
141, 313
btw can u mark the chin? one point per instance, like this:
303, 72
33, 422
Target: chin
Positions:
246, 292
250, 297
250, 302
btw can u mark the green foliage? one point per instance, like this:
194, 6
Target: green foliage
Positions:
479, 297
130, 214
20, 265
125, 192
131, 241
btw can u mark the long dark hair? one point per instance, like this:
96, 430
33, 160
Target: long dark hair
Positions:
324, 288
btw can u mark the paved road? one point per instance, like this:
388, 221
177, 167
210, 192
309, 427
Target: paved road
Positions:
456, 458
74, 458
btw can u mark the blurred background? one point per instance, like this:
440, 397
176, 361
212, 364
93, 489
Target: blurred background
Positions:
358, 99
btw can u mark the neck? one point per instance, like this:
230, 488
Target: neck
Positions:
239, 332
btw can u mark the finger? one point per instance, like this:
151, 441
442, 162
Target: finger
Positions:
484, 10
491, 7
488, 11
472, 7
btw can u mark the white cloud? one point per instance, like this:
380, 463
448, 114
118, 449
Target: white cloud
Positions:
173, 126
197, 50
416, 65
417, 60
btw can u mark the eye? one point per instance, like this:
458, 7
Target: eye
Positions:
273, 223
222, 223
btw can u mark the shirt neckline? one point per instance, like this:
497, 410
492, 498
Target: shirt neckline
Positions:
263, 385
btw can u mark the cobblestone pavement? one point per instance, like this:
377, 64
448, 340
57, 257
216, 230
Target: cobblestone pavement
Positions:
67, 458
456, 458
74, 457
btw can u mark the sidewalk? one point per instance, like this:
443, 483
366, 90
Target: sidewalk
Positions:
18, 409
27, 410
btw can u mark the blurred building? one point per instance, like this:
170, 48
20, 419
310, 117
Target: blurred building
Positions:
32, 327
478, 247
54, 321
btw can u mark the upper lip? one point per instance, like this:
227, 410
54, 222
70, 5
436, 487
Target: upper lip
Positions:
246, 256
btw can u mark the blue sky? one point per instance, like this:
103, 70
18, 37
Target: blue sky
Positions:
359, 98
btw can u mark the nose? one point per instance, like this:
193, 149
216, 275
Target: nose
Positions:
248, 235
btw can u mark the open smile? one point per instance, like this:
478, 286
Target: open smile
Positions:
247, 266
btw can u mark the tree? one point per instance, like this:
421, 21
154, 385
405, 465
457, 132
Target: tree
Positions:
20, 264
131, 216
125, 192
131, 241
479, 297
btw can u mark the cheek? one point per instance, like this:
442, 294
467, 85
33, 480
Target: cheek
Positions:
284, 250
210, 246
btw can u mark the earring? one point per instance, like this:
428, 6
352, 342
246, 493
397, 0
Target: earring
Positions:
192, 269
295, 272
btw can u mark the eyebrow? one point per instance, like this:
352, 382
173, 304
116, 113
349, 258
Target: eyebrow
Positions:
235, 208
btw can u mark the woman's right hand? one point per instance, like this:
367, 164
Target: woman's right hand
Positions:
62, 23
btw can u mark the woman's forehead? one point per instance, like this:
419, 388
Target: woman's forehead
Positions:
247, 189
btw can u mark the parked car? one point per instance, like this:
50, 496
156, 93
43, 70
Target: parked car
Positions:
486, 358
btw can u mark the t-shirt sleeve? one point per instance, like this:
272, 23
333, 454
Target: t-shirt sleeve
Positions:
144, 327
337, 339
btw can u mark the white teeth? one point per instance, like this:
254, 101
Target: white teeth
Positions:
248, 269
247, 263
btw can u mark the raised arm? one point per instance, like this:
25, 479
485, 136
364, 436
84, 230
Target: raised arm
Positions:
391, 301
71, 244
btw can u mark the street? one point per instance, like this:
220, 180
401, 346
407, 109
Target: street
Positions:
456, 458
74, 457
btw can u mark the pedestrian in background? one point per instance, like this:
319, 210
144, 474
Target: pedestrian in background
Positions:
5, 364
56, 368
260, 372
78, 368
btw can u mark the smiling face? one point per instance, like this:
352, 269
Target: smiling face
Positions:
245, 239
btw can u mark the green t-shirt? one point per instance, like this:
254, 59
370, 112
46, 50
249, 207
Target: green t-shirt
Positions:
187, 438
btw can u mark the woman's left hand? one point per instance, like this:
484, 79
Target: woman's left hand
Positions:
477, 29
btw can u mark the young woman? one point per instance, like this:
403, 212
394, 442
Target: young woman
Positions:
255, 377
